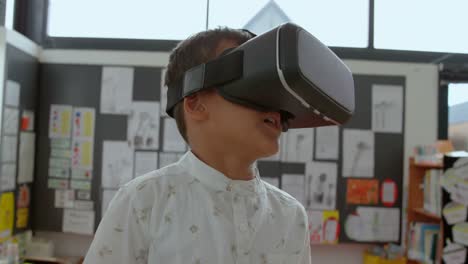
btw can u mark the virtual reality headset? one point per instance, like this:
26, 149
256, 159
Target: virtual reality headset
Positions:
285, 70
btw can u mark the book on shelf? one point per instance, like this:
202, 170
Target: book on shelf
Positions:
423, 239
432, 192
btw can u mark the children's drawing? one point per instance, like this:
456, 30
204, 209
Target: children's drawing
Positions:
321, 180
143, 125
358, 153
387, 108
116, 90
117, 164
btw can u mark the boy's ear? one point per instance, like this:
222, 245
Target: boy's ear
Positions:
195, 107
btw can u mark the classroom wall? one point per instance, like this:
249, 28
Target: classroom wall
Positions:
421, 119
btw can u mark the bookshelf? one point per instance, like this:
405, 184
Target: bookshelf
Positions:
415, 210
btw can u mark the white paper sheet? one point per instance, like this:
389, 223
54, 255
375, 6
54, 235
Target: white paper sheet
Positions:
83, 195
320, 185
315, 226
163, 98
59, 163
358, 153
117, 164
173, 141
145, 161
166, 159
9, 148
81, 174
78, 221
294, 185
387, 108
116, 90
60, 143
107, 196
8, 177
82, 154
272, 180
28, 120
10, 121
298, 145
143, 125
12, 93
374, 224
80, 185
64, 198
83, 123
26, 157
326, 144
59, 172
60, 121
84, 205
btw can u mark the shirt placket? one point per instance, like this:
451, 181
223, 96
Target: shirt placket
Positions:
242, 231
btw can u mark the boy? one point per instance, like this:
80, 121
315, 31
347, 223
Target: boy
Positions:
211, 206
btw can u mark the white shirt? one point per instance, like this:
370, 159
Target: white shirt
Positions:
190, 213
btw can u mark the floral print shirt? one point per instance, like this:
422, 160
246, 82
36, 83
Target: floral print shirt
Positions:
190, 213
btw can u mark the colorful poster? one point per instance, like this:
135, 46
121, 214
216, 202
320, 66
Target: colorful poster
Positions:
83, 123
7, 212
60, 121
389, 192
22, 217
361, 191
27, 121
82, 154
81, 174
315, 226
331, 227
24, 196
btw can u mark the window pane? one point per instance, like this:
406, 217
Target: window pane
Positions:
421, 25
9, 13
335, 22
458, 115
136, 19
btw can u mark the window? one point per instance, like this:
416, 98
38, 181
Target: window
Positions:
458, 115
424, 25
334, 22
136, 19
9, 14
177, 19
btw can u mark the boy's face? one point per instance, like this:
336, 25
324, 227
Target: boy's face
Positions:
240, 129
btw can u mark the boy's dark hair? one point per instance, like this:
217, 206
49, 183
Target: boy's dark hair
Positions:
195, 50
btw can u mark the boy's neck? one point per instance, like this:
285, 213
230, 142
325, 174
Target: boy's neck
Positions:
235, 167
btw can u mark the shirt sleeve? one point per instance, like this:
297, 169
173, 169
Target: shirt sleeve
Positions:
305, 254
305, 251
120, 237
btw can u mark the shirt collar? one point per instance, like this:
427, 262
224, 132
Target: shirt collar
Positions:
217, 180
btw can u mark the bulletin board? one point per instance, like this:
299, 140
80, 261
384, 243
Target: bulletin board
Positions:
80, 86
18, 141
358, 199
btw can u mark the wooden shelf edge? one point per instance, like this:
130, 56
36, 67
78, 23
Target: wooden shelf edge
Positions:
421, 211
